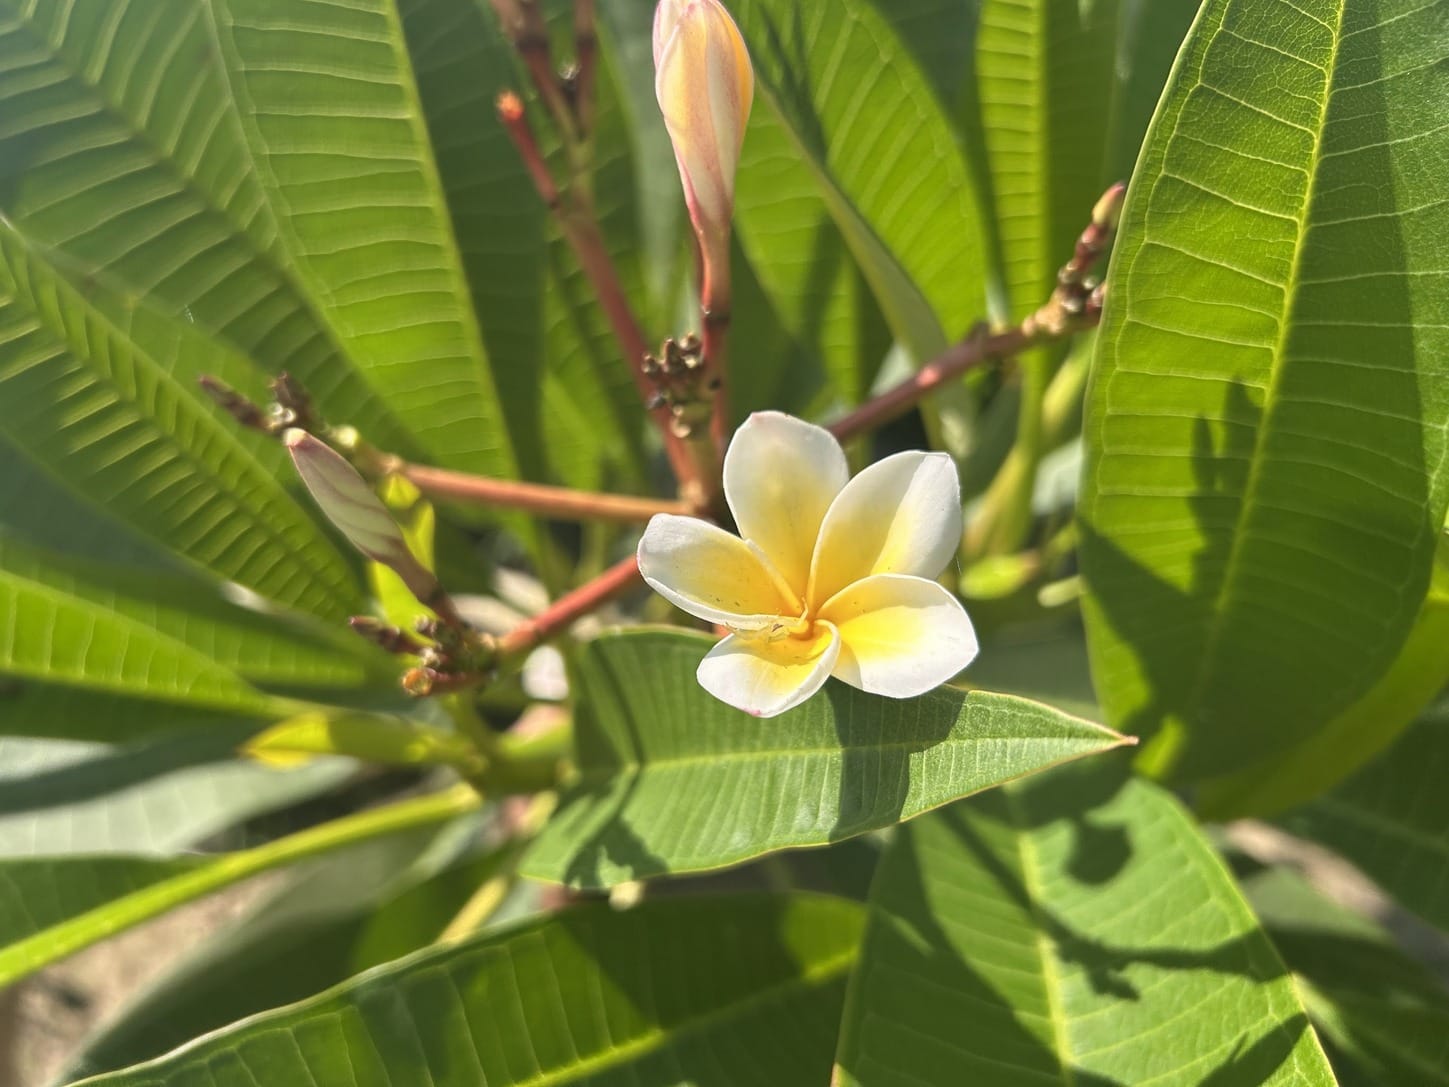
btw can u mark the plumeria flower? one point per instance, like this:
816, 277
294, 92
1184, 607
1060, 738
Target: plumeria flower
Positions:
833, 575
705, 86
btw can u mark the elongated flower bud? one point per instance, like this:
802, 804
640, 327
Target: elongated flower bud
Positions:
705, 86
356, 511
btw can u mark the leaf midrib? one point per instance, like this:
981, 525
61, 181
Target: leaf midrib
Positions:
1044, 944
1226, 589
814, 976
608, 771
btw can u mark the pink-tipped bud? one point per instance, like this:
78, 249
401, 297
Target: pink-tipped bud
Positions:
345, 498
705, 85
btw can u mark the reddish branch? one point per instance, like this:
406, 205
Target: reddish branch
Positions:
538, 498
695, 463
569, 608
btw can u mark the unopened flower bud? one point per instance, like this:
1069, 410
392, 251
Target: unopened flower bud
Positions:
351, 505
705, 86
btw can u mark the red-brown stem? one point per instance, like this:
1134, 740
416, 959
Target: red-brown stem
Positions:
557, 502
571, 607
1073, 307
523, 24
950, 364
586, 61
715, 349
695, 467
515, 123
692, 467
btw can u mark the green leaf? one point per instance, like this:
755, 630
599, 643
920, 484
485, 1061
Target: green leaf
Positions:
672, 780
82, 824
1152, 31
1045, 82
341, 915
941, 35
1048, 664
594, 415
717, 991
130, 433
68, 798
151, 634
32, 507
281, 188
78, 922
1391, 819
158, 183
1308, 769
851, 105
59, 627
799, 257
1266, 456
370, 737
1383, 1012
461, 62
58, 711
1075, 930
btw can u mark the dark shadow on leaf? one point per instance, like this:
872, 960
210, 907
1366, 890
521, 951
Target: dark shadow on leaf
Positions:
878, 736
1261, 1061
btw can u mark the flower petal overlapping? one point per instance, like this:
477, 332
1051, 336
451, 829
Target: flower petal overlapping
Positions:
829, 575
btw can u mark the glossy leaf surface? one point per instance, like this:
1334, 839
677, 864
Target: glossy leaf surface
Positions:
1072, 930
1266, 441
672, 780
706, 992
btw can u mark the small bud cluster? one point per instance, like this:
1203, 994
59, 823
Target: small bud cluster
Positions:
449, 657
291, 405
682, 384
454, 659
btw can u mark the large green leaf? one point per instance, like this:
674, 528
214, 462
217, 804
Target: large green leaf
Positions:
852, 106
672, 780
82, 824
800, 258
461, 63
1391, 819
59, 711
128, 431
58, 627
1380, 1010
1151, 34
594, 416
1308, 769
157, 181
37, 892
156, 798
1045, 78
1074, 930
150, 634
1266, 449
712, 992
62, 906
279, 186
333, 919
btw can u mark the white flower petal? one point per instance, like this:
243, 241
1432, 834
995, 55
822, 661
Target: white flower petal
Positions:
711, 574
665, 16
902, 515
765, 678
705, 86
780, 476
900, 636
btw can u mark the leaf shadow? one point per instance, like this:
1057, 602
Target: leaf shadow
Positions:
1315, 510
875, 778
